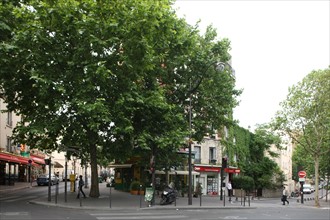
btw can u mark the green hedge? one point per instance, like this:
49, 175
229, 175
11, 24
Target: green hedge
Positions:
243, 182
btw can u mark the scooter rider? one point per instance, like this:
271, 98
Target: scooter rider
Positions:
169, 194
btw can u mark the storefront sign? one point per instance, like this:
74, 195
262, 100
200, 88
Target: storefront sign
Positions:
207, 169
232, 170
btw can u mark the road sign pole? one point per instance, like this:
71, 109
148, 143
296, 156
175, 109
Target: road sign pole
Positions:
302, 192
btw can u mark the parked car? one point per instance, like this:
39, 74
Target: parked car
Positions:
307, 189
44, 179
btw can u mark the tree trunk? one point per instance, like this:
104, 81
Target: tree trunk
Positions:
94, 192
316, 196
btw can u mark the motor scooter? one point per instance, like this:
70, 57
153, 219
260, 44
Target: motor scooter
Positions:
168, 195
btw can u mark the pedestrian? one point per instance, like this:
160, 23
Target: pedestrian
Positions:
229, 188
81, 183
285, 196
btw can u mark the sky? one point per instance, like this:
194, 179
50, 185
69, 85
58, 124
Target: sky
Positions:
274, 45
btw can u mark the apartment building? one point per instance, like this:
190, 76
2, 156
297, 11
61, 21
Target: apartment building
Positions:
20, 163
284, 161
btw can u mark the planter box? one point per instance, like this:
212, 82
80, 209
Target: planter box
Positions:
136, 192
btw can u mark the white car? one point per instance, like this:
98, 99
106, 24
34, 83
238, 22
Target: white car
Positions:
307, 189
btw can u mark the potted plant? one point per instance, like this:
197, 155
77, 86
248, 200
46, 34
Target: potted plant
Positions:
136, 188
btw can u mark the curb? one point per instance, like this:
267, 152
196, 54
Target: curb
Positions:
137, 209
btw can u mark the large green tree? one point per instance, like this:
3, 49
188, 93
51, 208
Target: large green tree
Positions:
80, 71
109, 76
259, 163
305, 117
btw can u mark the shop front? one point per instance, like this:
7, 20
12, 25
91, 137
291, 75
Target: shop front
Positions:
209, 178
14, 168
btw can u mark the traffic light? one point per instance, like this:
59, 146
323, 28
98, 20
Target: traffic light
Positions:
224, 162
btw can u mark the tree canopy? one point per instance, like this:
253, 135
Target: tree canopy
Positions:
109, 76
305, 117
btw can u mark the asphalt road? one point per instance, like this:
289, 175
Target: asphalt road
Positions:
14, 205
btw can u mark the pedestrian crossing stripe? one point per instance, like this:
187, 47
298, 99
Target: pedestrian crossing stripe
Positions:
13, 213
144, 215
17, 198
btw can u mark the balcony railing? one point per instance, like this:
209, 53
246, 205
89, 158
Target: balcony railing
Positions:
212, 161
197, 161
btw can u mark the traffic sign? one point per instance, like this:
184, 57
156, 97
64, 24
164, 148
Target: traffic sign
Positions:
302, 174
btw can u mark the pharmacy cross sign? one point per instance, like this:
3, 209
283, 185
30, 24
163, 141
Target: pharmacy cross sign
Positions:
302, 174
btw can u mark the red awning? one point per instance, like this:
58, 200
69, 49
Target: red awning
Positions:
38, 160
14, 158
232, 170
201, 168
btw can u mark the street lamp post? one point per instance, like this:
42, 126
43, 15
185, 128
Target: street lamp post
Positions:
220, 66
189, 155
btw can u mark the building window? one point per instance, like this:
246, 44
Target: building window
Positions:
212, 155
9, 119
8, 145
197, 150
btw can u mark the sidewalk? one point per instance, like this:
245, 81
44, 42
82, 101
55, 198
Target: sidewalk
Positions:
123, 200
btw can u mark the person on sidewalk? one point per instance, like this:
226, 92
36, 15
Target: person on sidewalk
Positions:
285, 196
81, 183
229, 188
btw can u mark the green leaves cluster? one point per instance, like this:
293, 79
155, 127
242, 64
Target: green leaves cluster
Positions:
110, 77
243, 182
305, 118
253, 152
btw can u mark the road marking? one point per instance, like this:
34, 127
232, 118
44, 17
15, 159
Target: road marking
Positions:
17, 198
13, 213
234, 217
142, 217
118, 216
128, 214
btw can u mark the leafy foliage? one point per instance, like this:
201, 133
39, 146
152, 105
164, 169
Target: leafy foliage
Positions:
110, 77
251, 150
305, 118
243, 182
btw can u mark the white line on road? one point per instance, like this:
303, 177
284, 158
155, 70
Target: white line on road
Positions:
13, 213
142, 217
128, 214
13, 199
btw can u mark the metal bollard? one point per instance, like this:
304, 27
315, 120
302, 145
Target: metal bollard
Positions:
110, 196
80, 200
56, 193
175, 199
224, 199
241, 198
140, 189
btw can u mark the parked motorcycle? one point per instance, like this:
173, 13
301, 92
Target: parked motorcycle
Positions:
168, 195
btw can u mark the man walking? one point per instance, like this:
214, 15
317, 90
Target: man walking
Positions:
81, 183
285, 196
229, 188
